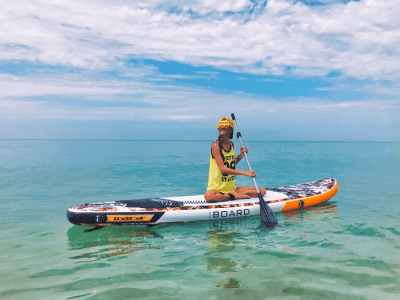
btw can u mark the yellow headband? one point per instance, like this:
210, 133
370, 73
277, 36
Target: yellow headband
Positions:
225, 122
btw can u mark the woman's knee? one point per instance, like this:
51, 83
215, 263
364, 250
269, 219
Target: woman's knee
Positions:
263, 191
209, 195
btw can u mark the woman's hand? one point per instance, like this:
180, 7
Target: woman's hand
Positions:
249, 173
243, 150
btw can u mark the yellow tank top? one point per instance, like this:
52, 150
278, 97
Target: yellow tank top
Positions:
223, 183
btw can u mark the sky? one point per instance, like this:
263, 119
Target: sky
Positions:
325, 70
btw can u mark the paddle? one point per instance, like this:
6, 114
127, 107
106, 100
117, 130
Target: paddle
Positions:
266, 213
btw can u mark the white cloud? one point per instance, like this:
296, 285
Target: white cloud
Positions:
118, 101
206, 6
359, 38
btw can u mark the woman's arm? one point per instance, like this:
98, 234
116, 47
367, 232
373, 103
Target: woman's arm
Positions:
240, 156
220, 163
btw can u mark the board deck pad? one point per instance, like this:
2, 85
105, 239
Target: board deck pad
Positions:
196, 208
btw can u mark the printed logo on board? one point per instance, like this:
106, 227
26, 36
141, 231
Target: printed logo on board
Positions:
132, 218
230, 213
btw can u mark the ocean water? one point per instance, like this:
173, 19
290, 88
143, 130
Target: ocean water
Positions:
346, 248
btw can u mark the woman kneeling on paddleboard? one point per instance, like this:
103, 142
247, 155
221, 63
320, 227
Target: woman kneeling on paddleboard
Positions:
222, 176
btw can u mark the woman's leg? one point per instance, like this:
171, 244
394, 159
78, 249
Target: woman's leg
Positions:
215, 196
243, 192
250, 191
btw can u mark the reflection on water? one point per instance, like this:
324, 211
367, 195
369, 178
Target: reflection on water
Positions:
112, 252
222, 239
232, 284
220, 263
123, 240
78, 238
311, 213
234, 223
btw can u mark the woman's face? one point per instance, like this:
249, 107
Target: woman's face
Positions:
225, 131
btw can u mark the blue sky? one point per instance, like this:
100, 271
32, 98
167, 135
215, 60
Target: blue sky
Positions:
289, 70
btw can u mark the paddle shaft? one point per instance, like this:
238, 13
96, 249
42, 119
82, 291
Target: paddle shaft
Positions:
245, 154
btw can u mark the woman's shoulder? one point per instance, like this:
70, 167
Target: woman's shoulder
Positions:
215, 144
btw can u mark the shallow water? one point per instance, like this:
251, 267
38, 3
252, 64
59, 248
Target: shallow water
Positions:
346, 248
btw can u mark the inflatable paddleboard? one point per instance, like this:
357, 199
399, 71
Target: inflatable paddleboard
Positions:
196, 208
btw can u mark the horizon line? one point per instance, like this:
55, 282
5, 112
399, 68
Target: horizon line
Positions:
147, 140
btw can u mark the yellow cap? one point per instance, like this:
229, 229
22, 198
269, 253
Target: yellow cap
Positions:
225, 122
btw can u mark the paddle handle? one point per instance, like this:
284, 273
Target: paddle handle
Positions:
239, 136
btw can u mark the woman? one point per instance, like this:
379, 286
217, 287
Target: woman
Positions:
222, 176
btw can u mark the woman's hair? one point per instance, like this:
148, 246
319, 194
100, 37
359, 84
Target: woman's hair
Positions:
220, 147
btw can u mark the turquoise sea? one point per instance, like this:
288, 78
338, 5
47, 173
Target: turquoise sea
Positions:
347, 248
